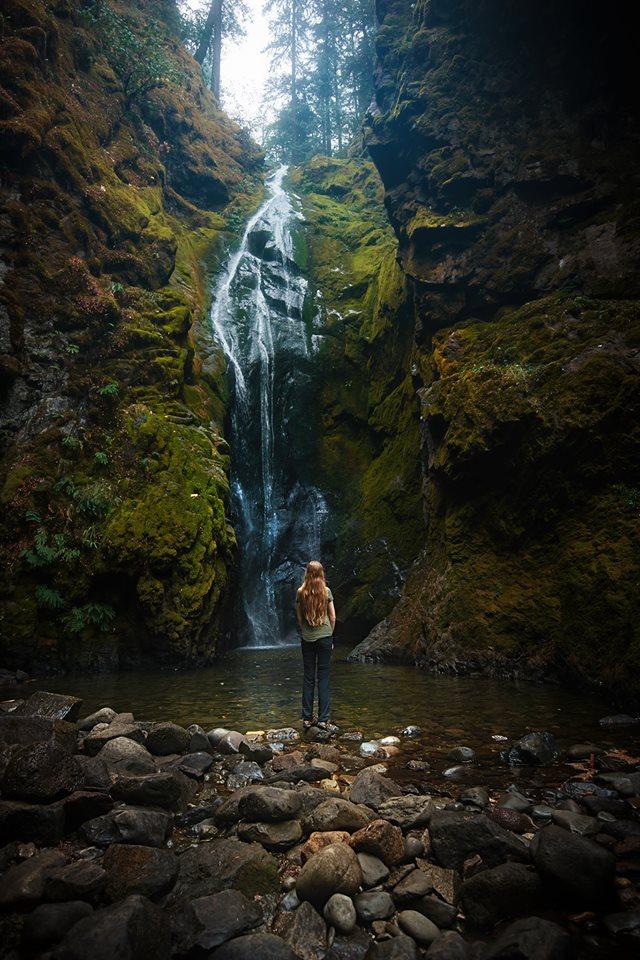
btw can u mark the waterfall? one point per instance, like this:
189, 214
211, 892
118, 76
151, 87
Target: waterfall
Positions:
258, 318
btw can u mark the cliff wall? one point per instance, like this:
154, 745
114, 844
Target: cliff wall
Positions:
506, 136
115, 200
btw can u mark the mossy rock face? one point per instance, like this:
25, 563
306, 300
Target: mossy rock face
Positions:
113, 472
367, 452
518, 234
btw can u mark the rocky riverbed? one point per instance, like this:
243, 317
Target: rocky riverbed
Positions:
131, 839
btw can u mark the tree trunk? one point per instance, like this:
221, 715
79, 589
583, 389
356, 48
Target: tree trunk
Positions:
205, 39
216, 49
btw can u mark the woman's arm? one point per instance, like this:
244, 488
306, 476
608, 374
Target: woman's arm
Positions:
331, 610
298, 612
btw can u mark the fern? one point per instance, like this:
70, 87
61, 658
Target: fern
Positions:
99, 615
109, 390
101, 458
67, 486
45, 553
46, 597
32, 517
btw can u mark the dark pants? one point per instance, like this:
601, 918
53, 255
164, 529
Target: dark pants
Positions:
316, 658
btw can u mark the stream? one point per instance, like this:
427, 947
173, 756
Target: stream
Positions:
258, 319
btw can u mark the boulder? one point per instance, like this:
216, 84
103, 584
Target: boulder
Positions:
124, 756
302, 771
335, 869
381, 839
40, 823
128, 825
40, 772
166, 789
407, 812
244, 773
307, 935
81, 880
23, 884
457, 836
374, 905
461, 755
446, 883
335, 814
139, 869
97, 738
397, 948
23, 731
506, 891
133, 929
49, 922
374, 871
418, 927
576, 822
269, 804
198, 740
259, 946
222, 863
257, 752
339, 912
103, 715
372, 788
273, 836
194, 765
536, 749
576, 869
164, 739
204, 923
229, 743
449, 946
50, 706
441, 913
530, 939
319, 840
416, 884
83, 805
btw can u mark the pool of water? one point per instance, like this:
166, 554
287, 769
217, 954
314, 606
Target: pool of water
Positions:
257, 689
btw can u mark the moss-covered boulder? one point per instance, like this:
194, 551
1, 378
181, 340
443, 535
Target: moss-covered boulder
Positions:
113, 483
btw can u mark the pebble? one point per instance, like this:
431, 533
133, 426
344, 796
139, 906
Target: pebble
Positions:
412, 731
418, 927
340, 912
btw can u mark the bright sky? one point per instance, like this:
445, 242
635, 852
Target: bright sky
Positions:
245, 67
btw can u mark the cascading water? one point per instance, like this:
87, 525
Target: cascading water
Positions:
258, 317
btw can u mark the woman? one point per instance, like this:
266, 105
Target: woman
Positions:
316, 616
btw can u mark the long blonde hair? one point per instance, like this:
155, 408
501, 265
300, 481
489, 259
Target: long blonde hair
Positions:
313, 594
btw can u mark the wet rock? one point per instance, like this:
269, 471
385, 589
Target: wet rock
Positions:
23, 731
318, 840
441, 913
372, 749
534, 748
626, 784
222, 863
407, 812
215, 736
381, 839
40, 772
24, 884
372, 789
206, 922
198, 740
273, 836
324, 751
81, 880
168, 790
327, 765
576, 822
49, 922
624, 925
125, 756
98, 737
197, 814
339, 912
259, 753
576, 869
374, 905
582, 751
195, 765
457, 836
374, 871
449, 946
461, 755
477, 797
353, 946
513, 800
245, 772
259, 946
419, 766
128, 825
530, 939
446, 883
303, 771
335, 869
83, 805
139, 869
413, 847
307, 935
335, 814
619, 720
103, 715
510, 819
268, 804
506, 891
412, 731
397, 948
50, 706
542, 812
167, 738
418, 927
416, 884
28, 821
283, 733
133, 929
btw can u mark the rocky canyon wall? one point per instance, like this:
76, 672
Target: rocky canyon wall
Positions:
506, 136
114, 538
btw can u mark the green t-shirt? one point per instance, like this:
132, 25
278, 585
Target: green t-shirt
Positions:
324, 630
